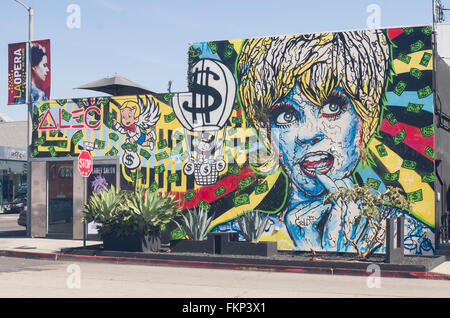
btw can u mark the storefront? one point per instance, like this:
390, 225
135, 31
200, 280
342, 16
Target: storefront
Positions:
13, 174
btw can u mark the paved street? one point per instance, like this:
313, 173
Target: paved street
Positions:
8, 222
40, 278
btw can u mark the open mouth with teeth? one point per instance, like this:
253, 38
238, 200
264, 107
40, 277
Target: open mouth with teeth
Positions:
312, 162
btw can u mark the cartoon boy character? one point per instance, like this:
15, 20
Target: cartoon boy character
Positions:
136, 119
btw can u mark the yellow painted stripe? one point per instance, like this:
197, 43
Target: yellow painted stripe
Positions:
411, 181
254, 201
401, 67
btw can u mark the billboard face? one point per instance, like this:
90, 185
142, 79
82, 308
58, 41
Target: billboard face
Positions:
17, 74
309, 113
40, 70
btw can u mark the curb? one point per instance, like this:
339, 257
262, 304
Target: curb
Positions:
224, 265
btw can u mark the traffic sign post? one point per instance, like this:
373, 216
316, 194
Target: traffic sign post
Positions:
85, 165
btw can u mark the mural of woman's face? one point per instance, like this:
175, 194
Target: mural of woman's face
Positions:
311, 138
41, 70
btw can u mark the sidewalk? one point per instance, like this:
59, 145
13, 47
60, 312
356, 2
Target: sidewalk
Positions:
72, 250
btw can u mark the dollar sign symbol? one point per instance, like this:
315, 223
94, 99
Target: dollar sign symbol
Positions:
200, 86
129, 160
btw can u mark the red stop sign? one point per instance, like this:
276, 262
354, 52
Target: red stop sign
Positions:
85, 163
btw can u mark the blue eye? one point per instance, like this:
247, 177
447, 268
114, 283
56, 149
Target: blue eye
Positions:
284, 114
285, 118
330, 110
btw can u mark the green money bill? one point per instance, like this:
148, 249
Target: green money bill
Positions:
400, 137
262, 188
426, 58
427, 131
241, 200
178, 136
162, 144
213, 47
424, 92
220, 191
161, 156
429, 152
416, 73
391, 118
392, 177
160, 169
417, 46
409, 164
169, 118
234, 170
113, 136
203, 205
373, 183
414, 108
173, 178
400, 88
404, 58
190, 195
237, 120
415, 196
153, 187
244, 182
145, 154
428, 178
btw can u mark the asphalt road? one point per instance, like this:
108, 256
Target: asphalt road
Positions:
49, 279
8, 222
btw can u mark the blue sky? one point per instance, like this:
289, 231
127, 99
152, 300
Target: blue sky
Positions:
147, 40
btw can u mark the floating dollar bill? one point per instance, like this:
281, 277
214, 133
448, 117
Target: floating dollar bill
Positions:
190, 195
112, 152
428, 30
213, 47
244, 182
184, 156
427, 131
80, 119
408, 30
391, 118
77, 137
392, 177
196, 52
228, 53
174, 177
160, 169
428, 178
39, 141
415, 196
113, 136
400, 137
44, 107
169, 118
373, 183
168, 97
35, 126
178, 136
417, 46
416, 73
177, 150
203, 205
145, 154
100, 143
414, 108
161, 156
220, 191
429, 152
234, 170
153, 187
241, 200
400, 88
62, 144
177, 234
404, 58
52, 151
162, 144
424, 92
409, 164
35, 111
53, 133
61, 102
262, 188
425, 59
66, 115
237, 120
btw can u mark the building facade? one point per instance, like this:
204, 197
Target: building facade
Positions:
268, 125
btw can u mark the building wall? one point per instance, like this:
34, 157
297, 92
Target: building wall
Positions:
261, 118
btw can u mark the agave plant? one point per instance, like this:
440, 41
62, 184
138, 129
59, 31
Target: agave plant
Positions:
107, 210
196, 224
153, 209
252, 225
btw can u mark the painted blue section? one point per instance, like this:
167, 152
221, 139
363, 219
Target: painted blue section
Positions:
410, 97
369, 173
206, 51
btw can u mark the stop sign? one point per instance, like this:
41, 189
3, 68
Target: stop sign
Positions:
85, 163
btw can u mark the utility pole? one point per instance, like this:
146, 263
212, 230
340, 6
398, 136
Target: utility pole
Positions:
30, 114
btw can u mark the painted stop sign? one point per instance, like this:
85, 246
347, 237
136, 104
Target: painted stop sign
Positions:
85, 163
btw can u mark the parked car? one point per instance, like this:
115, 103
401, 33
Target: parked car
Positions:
22, 220
15, 206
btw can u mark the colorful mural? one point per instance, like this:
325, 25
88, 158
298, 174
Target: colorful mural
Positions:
272, 125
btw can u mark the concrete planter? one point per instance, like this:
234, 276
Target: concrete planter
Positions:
225, 244
135, 242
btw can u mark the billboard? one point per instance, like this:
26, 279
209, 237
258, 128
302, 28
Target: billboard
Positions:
40, 70
17, 74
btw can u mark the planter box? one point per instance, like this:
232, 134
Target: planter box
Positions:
224, 243
135, 242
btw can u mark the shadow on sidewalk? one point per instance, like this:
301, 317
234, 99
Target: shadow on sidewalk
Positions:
17, 233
